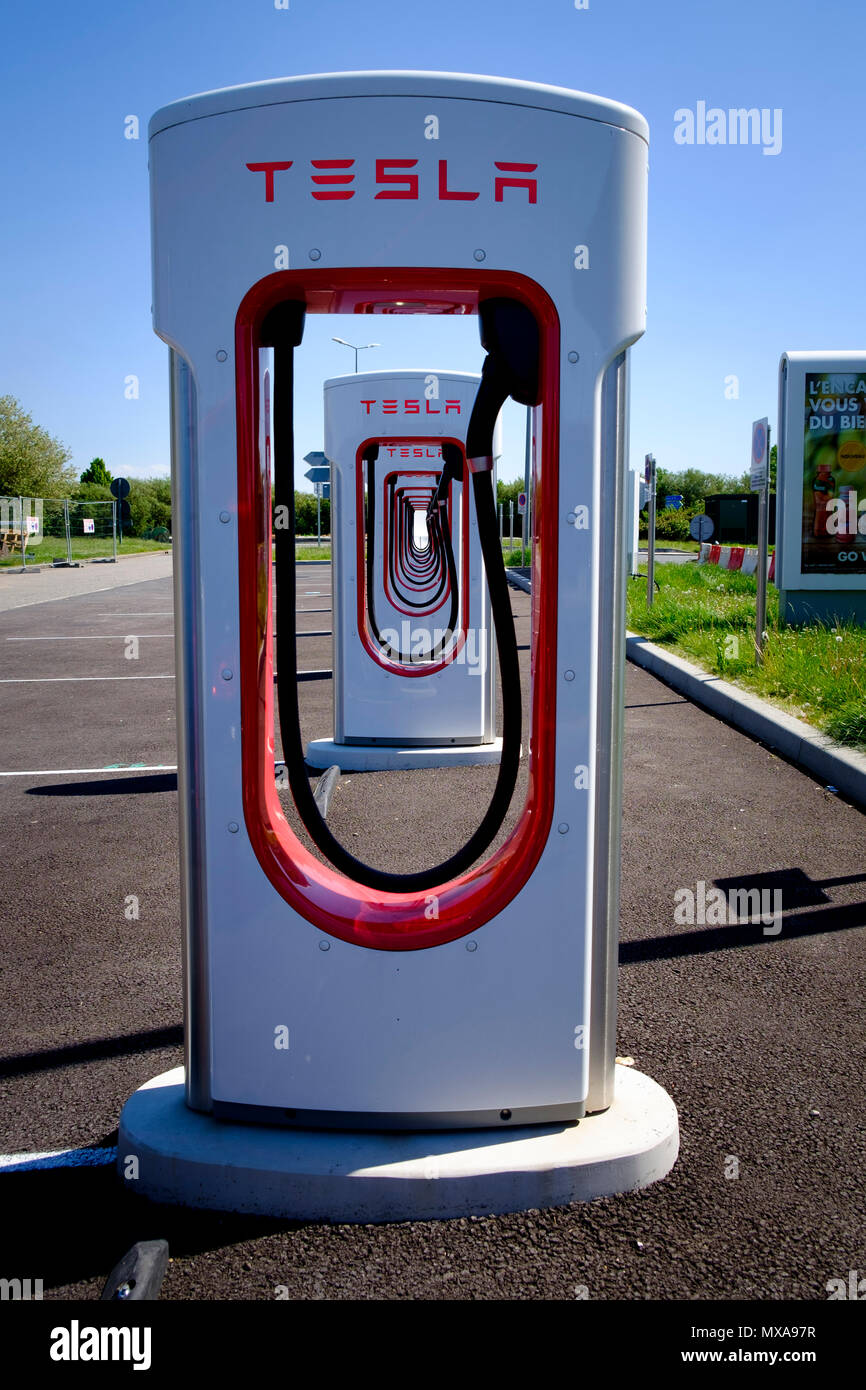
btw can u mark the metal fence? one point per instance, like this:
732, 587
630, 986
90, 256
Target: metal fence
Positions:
56, 531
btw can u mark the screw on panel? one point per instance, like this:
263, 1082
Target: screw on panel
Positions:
227, 674
574, 357
505, 1114
233, 827
224, 517
480, 255
324, 945
472, 945
562, 828
222, 355
569, 675
315, 254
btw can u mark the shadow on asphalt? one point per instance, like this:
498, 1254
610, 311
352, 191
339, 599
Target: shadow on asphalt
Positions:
73, 1224
739, 935
110, 786
656, 704
75, 1054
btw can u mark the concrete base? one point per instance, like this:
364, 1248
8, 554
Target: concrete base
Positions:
340, 1176
377, 757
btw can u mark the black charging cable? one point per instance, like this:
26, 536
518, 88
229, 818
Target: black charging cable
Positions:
510, 373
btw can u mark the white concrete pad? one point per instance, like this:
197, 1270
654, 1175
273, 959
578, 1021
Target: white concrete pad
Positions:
339, 1176
22, 591
370, 757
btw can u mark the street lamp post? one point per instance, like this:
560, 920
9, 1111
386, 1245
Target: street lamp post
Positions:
361, 347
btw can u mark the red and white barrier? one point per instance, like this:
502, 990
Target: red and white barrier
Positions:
735, 557
738, 554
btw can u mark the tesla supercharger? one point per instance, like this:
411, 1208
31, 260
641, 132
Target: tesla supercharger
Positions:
322, 994
414, 659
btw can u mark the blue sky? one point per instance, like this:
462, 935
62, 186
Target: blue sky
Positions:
749, 254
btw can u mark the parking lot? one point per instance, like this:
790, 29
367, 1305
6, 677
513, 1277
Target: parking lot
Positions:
757, 1037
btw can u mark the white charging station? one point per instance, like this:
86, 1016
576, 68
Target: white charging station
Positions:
464, 1034
414, 657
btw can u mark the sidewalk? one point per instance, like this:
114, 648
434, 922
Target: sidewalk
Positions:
22, 590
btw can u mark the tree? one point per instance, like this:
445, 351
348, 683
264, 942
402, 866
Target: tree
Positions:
305, 514
507, 493
149, 505
32, 462
96, 472
694, 486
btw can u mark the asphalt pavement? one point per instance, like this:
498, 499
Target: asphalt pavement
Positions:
757, 1037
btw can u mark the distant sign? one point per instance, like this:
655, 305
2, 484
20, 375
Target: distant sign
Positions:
649, 466
319, 470
701, 527
521, 504
119, 487
89, 526
322, 490
758, 470
674, 501
33, 525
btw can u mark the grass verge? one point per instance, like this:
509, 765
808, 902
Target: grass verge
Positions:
83, 548
707, 615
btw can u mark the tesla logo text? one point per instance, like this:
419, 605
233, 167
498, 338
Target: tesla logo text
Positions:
332, 180
413, 407
405, 451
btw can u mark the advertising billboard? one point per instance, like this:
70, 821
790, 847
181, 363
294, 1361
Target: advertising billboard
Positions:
834, 473
822, 484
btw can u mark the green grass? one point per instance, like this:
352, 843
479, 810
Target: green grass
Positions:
670, 545
518, 557
305, 551
83, 548
816, 673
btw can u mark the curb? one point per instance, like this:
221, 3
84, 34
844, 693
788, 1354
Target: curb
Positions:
518, 582
802, 744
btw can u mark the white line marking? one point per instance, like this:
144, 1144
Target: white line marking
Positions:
124, 613
112, 767
51, 680
102, 637
59, 1158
